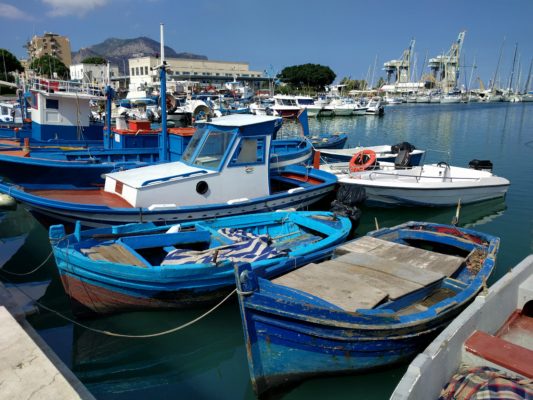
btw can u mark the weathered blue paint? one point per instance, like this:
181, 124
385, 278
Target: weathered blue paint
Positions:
112, 286
291, 335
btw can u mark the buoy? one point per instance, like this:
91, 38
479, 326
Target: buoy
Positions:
7, 202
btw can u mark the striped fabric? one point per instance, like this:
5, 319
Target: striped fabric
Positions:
247, 247
485, 383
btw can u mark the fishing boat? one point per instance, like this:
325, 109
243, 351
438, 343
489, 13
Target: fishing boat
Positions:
390, 184
131, 149
144, 266
225, 170
387, 153
488, 347
378, 302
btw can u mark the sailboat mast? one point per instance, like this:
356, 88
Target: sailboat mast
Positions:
509, 87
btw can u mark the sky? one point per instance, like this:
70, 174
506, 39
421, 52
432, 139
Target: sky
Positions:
347, 36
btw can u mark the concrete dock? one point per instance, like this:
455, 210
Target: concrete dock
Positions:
29, 369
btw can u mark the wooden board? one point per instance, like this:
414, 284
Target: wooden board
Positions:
404, 271
423, 259
394, 286
323, 281
115, 253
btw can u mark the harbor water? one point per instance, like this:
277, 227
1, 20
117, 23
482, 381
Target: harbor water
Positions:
208, 359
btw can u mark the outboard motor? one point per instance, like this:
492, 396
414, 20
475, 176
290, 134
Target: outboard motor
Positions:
403, 159
482, 165
402, 146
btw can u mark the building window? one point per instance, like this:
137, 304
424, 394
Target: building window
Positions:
146, 70
132, 71
52, 104
137, 71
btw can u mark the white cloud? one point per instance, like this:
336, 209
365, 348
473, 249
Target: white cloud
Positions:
61, 8
11, 12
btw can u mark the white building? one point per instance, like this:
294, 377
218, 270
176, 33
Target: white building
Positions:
142, 72
92, 73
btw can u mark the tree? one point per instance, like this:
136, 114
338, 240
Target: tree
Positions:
380, 83
8, 63
353, 84
96, 60
48, 64
307, 75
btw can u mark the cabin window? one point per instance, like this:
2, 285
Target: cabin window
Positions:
211, 151
251, 150
34, 101
52, 104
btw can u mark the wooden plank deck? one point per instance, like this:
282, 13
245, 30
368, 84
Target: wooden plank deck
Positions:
424, 259
83, 196
368, 272
115, 253
323, 281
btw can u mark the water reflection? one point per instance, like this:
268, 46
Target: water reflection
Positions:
207, 361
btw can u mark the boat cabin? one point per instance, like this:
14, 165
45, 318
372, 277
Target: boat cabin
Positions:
227, 158
60, 110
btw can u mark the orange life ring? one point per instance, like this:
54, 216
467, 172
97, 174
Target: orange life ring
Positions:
362, 160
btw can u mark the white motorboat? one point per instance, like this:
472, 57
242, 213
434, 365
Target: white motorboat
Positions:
342, 107
313, 110
374, 106
451, 99
423, 98
495, 331
385, 184
285, 106
327, 108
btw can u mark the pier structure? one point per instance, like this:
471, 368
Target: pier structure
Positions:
445, 67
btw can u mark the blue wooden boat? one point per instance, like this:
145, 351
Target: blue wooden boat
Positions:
322, 140
139, 266
225, 170
379, 301
328, 141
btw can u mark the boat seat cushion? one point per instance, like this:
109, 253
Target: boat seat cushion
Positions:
246, 247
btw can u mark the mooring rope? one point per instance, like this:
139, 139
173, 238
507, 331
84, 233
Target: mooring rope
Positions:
29, 272
123, 335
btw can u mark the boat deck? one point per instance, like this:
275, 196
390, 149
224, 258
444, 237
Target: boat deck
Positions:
370, 271
79, 196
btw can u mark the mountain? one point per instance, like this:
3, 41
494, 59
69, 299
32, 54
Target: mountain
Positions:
117, 51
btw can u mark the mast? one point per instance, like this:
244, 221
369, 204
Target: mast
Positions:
509, 87
163, 146
526, 88
497, 67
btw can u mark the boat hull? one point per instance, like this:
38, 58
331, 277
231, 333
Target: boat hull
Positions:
315, 185
110, 283
291, 349
292, 333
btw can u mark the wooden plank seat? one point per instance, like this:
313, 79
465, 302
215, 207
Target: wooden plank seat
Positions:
115, 253
501, 352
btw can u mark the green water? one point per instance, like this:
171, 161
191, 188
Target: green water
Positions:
208, 360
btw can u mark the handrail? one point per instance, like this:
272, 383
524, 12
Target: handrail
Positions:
55, 85
418, 177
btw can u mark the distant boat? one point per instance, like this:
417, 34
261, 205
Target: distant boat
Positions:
143, 266
490, 341
374, 107
383, 153
378, 302
439, 184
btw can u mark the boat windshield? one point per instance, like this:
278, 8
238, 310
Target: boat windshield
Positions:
208, 152
306, 102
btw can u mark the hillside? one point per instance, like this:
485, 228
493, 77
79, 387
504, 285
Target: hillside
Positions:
117, 51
